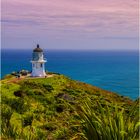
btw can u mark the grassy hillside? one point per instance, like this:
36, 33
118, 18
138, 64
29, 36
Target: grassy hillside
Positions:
50, 108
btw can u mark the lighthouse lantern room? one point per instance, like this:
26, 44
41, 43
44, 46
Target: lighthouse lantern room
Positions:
38, 63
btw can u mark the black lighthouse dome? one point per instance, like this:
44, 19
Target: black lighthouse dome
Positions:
37, 49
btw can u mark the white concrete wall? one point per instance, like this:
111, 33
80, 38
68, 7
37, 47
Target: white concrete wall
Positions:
37, 70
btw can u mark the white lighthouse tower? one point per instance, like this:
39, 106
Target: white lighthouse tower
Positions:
38, 63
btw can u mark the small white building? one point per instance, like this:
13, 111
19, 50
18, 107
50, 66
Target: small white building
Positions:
38, 63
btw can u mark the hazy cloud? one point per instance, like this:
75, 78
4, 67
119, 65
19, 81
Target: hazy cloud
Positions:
67, 19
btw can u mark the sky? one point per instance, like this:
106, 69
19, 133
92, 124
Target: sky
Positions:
70, 24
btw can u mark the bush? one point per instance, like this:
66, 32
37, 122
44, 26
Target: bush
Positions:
27, 120
70, 91
19, 93
108, 123
6, 113
17, 104
60, 108
38, 92
61, 134
49, 126
48, 87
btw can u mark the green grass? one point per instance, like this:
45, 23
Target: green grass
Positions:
49, 108
109, 122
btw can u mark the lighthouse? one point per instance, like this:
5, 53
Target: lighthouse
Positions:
38, 63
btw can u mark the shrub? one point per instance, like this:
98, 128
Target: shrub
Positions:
70, 91
59, 108
7, 130
108, 123
38, 92
19, 93
6, 113
49, 126
27, 120
61, 134
48, 87
18, 104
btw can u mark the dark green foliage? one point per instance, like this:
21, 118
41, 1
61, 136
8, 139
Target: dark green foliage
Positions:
9, 132
49, 126
61, 134
48, 87
36, 85
19, 105
70, 91
38, 92
109, 123
19, 93
27, 120
6, 128
60, 108
6, 113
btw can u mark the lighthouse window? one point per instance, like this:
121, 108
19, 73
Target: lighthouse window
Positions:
41, 65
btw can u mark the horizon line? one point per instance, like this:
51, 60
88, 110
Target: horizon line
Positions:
72, 49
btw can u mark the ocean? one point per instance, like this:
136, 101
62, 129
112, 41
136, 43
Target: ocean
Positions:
116, 71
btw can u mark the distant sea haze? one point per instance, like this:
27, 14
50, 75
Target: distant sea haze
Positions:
116, 71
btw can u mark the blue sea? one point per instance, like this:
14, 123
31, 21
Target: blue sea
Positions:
116, 71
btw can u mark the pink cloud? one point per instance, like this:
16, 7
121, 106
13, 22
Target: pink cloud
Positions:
97, 18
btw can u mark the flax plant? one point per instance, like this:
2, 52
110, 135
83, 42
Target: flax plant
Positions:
109, 122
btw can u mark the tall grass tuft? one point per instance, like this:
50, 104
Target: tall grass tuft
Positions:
109, 122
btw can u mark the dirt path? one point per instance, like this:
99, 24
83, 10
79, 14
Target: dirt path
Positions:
16, 80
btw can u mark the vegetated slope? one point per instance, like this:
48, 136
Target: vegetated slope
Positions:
44, 108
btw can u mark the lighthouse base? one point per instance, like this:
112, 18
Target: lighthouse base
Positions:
38, 74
